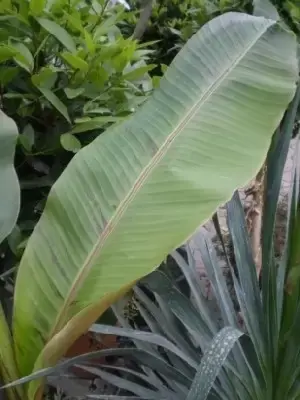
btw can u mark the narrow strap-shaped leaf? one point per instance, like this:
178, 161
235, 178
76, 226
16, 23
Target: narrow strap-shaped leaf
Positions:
275, 165
217, 279
212, 362
248, 288
192, 276
178, 333
163, 321
216, 222
141, 335
224, 297
149, 321
10, 190
140, 356
216, 276
181, 307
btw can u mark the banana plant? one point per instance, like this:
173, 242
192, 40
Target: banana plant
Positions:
145, 185
9, 210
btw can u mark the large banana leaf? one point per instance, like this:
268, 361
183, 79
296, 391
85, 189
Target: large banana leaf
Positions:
9, 185
144, 186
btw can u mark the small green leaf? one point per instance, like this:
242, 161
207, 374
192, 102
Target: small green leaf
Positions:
156, 81
97, 110
27, 137
98, 76
82, 119
6, 52
74, 21
212, 362
59, 33
37, 6
7, 74
164, 68
14, 240
95, 123
90, 45
138, 73
46, 77
72, 93
54, 100
70, 142
75, 62
108, 51
108, 23
23, 56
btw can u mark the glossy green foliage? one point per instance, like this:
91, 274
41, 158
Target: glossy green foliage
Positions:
67, 69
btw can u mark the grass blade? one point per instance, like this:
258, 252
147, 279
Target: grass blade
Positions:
145, 336
140, 390
138, 355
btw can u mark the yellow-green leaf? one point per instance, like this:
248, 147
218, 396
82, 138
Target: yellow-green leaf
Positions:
7, 74
75, 62
6, 52
73, 93
138, 73
90, 45
23, 56
107, 24
59, 33
70, 142
37, 7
